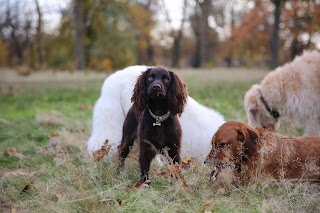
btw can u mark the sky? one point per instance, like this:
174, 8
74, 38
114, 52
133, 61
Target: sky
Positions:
51, 10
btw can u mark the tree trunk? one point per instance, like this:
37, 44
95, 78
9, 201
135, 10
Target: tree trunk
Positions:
178, 38
275, 36
78, 47
39, 40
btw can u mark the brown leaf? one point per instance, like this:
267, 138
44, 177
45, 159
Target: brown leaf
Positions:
116, 202
84, 107
10, 152
26, 188
99, 154
57, 194
176, 173
185, 163
53, 133
207, 205
13, 209
51, 122
141, 183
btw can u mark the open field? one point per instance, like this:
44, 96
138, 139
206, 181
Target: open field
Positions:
45, 120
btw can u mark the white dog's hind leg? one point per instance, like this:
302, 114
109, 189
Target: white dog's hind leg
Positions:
106, 125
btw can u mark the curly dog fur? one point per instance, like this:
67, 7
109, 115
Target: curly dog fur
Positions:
292, 91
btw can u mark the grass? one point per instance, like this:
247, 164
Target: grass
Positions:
48, 122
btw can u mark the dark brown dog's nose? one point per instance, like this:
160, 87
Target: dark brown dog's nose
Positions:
156, 86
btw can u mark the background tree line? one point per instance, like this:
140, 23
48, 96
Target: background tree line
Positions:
110, 34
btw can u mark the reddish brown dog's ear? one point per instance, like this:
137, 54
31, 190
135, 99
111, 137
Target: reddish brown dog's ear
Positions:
249, 136
177, 94
139, 97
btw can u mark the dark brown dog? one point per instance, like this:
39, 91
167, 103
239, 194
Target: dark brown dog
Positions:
159, 96
257, 153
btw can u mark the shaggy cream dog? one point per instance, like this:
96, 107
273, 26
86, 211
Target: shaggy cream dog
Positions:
198, 122
292, 91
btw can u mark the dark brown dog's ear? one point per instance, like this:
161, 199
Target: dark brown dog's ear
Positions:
177, 94
139, 96
249, 137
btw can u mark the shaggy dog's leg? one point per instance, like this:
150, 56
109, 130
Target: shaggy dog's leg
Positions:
106, 125
130, 127
146, 155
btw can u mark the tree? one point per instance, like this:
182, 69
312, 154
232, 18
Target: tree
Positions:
39, 37
275, 43
78, 36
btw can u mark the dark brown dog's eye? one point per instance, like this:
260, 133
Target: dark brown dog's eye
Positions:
166, 80
150, 78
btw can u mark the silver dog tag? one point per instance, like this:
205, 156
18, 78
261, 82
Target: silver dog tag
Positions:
156, 124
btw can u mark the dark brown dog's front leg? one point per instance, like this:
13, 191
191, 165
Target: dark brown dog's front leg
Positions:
145, 159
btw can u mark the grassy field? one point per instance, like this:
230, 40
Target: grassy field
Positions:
45, 120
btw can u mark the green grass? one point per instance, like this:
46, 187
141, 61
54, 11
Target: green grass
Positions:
48, 124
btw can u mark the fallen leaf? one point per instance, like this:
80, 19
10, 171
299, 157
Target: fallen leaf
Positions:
99, 154
207, 205
13, 209
141, 183
10, 151
176, 173
84, 107
51, 122
26, 188
57, 194
53, 133
185, 163
187, 160
116, 202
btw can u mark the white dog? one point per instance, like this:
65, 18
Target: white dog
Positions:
198, 122
292, 91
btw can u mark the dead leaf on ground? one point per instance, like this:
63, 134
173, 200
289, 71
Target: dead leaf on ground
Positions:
51, 122
78, 130
53, 133
57, 194
142, 184
176, 173
185, 163
116, 202
207, 205
99, 154
26, 188
13, 209
11, 151
84, 107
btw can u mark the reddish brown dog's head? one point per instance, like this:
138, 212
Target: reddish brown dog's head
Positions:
232, 145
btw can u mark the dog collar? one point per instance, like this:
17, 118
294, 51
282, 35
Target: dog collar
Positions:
273, 112
160, 118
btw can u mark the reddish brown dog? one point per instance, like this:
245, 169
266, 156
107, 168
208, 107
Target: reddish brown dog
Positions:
259, 153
